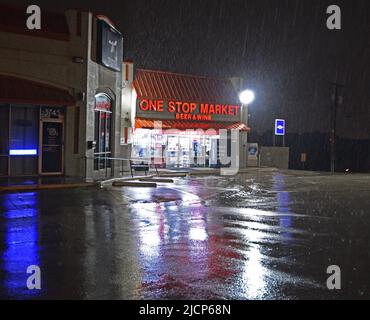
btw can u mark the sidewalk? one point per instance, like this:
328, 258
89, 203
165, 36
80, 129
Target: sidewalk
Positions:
189, 172
41, 183
49, 183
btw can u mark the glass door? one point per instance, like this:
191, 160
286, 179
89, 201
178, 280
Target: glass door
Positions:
51, 147
172, 151
184, 151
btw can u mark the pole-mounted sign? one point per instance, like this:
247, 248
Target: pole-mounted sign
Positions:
279, 127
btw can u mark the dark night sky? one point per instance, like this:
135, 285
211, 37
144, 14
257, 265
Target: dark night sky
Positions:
281, 47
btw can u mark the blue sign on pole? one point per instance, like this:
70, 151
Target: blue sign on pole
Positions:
280, 127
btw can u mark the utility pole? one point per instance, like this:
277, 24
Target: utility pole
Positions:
333, 126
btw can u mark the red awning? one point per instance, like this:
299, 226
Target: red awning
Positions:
17, 90
183, 125
151, 84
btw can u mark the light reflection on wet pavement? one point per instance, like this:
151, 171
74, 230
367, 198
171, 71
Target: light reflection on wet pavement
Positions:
262, 235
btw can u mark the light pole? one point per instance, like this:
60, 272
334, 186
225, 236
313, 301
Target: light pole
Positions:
333, 126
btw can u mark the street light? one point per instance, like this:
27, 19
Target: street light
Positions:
246, 97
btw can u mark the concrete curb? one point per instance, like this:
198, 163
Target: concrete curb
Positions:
129, 178
134, 184
205, 173
172, 175
156, 180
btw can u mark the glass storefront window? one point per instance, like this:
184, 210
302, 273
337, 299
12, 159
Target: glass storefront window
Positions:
4, 139
181, 150
24, 137
23, 150
24, 128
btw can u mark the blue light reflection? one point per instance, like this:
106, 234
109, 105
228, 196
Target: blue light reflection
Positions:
21, 247
284, 201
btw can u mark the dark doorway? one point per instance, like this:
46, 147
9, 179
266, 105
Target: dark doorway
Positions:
52, 147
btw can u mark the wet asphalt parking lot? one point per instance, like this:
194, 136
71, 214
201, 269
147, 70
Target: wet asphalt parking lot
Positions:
266, 234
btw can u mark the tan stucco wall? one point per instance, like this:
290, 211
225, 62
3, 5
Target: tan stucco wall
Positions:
51, 62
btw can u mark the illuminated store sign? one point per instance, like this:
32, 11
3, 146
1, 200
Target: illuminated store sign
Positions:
23, 152
110, 46
102, 102
188, 110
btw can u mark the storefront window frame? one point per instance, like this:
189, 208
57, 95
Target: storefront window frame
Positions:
101, 161
4, 152
144, 139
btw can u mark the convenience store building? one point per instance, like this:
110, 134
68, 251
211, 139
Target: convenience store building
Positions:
177, 120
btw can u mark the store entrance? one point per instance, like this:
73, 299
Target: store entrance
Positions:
51, 147
178, 152
188, 151
31, 140
181, 150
